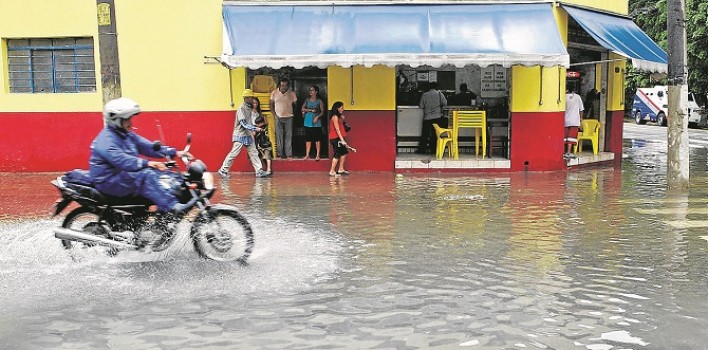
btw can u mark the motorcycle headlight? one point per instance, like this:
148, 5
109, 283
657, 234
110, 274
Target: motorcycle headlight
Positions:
208, 180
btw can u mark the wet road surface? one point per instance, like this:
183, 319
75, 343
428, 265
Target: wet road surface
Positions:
591, 259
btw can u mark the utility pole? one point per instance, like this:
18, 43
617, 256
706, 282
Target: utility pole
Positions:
678, 165
108, 50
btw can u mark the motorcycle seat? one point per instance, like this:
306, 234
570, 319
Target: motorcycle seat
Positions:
87, 190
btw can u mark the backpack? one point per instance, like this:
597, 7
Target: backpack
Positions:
262, 140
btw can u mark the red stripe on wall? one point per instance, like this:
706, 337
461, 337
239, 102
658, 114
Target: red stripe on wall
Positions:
373, 134
613, 134
46, 141
61, 141
537, 141
35, 142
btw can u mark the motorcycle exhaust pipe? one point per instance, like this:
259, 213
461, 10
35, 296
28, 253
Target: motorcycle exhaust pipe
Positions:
71, 235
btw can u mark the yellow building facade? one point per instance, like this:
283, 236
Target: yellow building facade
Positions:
169, 52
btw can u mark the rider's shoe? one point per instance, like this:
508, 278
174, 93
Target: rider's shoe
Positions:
261, 173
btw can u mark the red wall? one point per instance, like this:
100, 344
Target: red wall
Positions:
373, 134
61, 141
33, 142
613, 135
537, 141
46, 141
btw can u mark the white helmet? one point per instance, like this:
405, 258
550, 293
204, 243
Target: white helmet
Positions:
115, 111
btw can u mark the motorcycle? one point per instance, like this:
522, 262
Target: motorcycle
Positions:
218, 232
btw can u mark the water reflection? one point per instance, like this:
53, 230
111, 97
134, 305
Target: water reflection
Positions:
596, 259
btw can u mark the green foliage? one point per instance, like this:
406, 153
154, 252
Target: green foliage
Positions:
697, 46
650, 16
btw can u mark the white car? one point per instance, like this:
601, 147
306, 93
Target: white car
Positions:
651, 104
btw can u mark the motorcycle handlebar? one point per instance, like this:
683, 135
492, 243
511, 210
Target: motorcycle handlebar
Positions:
156, 146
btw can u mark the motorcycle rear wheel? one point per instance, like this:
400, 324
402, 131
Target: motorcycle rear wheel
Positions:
223, 236
87, 221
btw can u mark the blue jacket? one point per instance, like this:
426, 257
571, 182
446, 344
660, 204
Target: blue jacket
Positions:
115, 151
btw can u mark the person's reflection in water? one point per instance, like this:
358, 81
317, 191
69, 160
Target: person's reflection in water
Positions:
338, 203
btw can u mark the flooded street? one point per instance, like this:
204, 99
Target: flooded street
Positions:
596, 259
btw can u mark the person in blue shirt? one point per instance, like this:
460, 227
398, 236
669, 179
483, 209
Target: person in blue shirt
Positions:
313, 110
116, 166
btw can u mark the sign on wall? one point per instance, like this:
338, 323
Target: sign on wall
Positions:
494, 82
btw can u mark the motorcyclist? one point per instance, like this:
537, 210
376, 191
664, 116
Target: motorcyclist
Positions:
115, 165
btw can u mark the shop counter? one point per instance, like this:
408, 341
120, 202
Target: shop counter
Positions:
409, 127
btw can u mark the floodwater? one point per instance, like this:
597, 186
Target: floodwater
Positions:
590, 259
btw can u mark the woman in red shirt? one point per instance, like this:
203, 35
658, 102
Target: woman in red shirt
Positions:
337, 133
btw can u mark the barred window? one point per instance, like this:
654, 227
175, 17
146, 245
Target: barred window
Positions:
51, 65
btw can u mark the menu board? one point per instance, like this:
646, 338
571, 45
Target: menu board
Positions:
494, 82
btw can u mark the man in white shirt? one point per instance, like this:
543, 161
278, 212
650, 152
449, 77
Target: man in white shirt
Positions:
573, 115
281, 105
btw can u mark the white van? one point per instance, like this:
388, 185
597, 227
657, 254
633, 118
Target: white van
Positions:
651, 104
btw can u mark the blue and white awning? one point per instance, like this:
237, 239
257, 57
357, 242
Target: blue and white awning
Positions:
275, 35
620, 35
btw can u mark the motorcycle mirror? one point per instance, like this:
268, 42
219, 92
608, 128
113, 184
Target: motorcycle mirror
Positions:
156, 146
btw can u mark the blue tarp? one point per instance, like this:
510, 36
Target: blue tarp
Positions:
623, 37
275, 35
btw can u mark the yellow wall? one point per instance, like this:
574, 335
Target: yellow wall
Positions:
615, 83
616, 6
527, 90
238, 84
374, 88
162, 44
40, 19
562, 23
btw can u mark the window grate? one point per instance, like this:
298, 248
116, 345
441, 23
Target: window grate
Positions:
51, 65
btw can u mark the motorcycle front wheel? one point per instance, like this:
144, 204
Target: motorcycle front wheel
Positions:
87, 221
223, 236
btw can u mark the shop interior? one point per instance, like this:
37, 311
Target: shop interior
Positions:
490, 89
264, 80
587, 75
489, 86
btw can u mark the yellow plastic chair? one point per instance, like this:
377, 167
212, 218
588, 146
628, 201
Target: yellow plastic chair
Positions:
469, 119
444, 138
270, 120
264, 98
591, 132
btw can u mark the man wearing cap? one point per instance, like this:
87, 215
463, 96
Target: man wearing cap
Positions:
244, 129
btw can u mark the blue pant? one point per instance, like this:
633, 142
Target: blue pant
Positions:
142, 183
